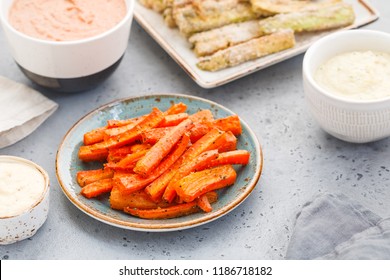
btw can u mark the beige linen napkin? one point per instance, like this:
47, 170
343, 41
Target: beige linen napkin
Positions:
22, 110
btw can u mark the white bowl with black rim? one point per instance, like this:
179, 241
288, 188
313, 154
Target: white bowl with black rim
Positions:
68, 66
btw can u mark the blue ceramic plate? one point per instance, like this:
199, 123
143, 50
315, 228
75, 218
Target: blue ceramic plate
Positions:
67, 164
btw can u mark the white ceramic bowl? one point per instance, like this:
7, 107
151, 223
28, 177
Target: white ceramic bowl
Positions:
68, 66
349, 120
26, 222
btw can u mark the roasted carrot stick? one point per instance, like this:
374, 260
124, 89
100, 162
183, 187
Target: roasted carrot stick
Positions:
118, 123
85, 177
150, 121
204, 203
169, 120
231, 157
99, 134
227, 142
229, 123
153, 135
164, 213
97, 188
202, 145
135, 182
199, 130
198, 183
138, 199
172, 120
202, 124
116, 154
170, 211
176, 108
198, 163
158, 151
86, 154
109, 132
128, 162
202, 116
94, 136
140, 147
156, 189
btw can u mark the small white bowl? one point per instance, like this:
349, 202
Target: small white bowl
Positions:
26, 221
356, 121
68, 66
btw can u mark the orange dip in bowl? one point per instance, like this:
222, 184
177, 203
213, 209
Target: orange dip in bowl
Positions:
65, 20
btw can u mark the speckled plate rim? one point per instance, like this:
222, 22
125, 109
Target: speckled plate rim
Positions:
173, 225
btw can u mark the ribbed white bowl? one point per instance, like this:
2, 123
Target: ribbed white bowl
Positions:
357, 121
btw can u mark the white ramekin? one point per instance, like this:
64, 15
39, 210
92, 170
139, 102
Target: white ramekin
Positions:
26, 224
69, 65
349, 120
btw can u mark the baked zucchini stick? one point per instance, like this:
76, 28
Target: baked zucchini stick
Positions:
248, 50
168, 18
328, 17
208, 42
273, 7
205, 15
156, 5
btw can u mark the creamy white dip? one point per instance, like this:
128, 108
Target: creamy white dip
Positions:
358, 75
21, 187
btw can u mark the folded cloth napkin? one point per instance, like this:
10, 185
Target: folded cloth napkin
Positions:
22, 111
332, 226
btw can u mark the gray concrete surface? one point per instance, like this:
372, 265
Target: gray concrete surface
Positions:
300, 161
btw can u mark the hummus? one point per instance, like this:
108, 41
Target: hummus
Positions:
65, 20
359, 75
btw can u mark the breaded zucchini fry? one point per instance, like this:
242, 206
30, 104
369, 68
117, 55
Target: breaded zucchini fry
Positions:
248, 50
208, 42
327, 17
203, 15
163, 7
156, 5
168, 17
273, 7
167, 13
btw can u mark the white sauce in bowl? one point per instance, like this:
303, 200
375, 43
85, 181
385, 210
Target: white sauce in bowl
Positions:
358, 75
21, 187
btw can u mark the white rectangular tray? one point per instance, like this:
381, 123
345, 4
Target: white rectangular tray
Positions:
179, 49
